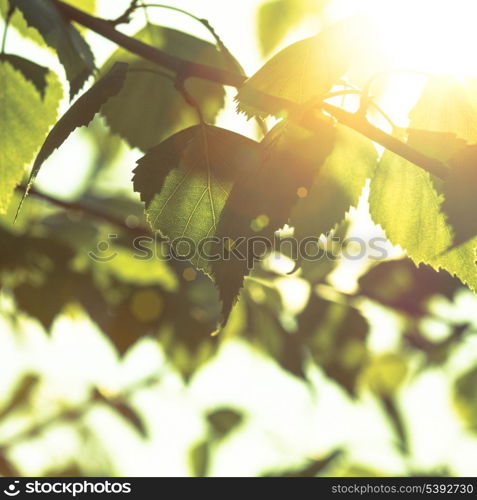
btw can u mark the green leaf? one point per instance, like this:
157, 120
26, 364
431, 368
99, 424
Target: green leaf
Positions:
400, 285
261, 201
335, 335
149, 108
199, 458
186, 180
257, 320
18, 21
448, 105
275, 19
80, 114
460, 192
304, 70
73, 52
191, 315
24, 121
465, 397
337, 186
404, 201
447, 108
223, 421
439, 145
208, 182
32, 72
21, 394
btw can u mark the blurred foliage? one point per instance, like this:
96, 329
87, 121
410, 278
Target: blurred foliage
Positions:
276, 18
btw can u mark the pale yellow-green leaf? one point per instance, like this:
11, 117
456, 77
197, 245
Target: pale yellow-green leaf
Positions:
405, 203
276, 18
24, 122
306, 69
448, 104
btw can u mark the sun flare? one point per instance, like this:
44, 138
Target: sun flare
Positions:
434, 36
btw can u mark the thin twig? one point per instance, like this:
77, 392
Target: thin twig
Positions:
87, 210
125, 17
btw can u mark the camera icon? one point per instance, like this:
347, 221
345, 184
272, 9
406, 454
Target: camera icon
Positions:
103, 251
13, 489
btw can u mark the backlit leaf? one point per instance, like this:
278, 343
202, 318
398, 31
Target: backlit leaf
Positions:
24, 121
337, 186
304, 70
223, 421
73, 52
149, 108
460, 192
80, 114
449, 105
260, 202
404, 201
276, 17
185, 182
32, 72
335, 335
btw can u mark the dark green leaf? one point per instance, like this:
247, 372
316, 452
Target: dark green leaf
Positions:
448, 105
223, 421
335, 335
465, 397
185, 182
21, 394
7, 469
19, 23
73, 52
259, 323
395, 416
337, 186
460, 195
402, 286
32, 72
149, 108
130, 414
80, 114
199, 459
261, 201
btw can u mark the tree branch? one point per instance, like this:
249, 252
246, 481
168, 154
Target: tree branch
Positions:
188, 69
175, 64
88, 210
